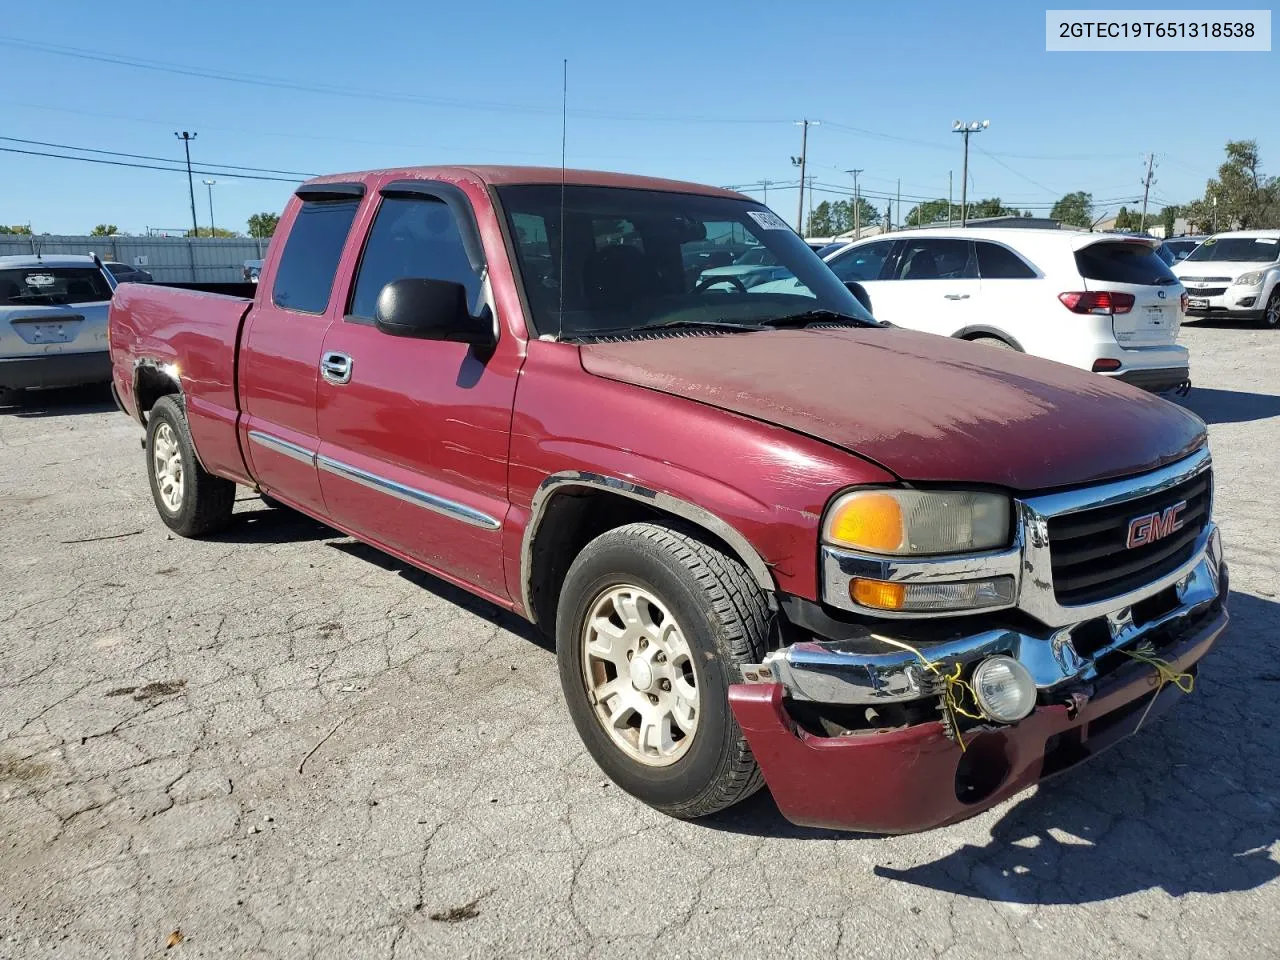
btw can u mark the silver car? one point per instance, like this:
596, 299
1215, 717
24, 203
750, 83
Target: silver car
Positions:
53, 321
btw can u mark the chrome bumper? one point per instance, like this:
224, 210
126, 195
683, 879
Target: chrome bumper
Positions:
881, 666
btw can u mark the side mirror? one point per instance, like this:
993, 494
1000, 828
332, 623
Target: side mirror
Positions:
860, 293
431, 310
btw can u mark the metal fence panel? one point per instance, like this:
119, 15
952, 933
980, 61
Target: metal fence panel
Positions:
173, 259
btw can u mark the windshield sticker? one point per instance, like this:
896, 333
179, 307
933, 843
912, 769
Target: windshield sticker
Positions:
768, 219
40, 280
1210, 242
1266, 240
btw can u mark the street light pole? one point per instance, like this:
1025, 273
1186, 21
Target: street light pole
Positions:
965, 129
186, 139
209, 185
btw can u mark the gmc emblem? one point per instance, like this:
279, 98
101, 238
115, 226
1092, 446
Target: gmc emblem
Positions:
1151, 527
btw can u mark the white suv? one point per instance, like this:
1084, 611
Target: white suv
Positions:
1235, 275
1100, 301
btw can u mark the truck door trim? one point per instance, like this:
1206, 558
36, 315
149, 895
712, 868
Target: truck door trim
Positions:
420, 498
283, 446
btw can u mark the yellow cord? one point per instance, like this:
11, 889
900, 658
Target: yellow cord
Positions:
953, 699
1164, 672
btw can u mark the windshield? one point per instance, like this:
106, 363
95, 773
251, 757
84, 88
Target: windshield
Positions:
643, 258
1239, 249
53, 285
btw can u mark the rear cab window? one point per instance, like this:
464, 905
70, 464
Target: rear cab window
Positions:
304, 279
44, 286
1123, 262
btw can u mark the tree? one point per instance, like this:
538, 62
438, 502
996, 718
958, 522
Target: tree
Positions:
1199, 216
18, 228
931, 211
1168, 217
1124, 220
217, 232
990, 207
104, 230
1247, 198
263, 224
1075, 209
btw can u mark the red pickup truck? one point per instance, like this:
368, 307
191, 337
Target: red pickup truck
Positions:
894, 576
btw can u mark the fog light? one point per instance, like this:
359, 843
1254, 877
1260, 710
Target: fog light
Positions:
962, 595
1246, 301
1004, 689
1105, 365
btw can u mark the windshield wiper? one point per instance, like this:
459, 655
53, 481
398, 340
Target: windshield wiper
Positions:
674, 325
807, 317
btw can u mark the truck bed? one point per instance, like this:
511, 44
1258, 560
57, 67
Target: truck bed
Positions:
160, 334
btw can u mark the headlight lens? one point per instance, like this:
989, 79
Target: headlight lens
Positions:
1004, 689
1253, 279
918, 522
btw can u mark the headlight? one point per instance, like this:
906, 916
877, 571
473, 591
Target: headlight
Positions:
908, 523
1004, 689
1253, 279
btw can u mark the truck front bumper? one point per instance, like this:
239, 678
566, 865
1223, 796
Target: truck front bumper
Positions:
921, 775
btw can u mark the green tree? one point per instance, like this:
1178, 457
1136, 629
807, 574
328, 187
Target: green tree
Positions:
1199, 216
931, 211
1247, 198
819, 224
1075, 209
1124, 220
217, 232
104, 230
21, 229
263, 224
990, 207
1168, 216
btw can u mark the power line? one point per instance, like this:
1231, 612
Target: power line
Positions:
1034, 183
143, 156
143, 166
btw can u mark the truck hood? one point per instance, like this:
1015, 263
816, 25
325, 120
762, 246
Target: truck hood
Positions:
926, 408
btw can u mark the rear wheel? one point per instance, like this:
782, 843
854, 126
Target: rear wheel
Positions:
651, 628
190, 500
1271, 315
993, 342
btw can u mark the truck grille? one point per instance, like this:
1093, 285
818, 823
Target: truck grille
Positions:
1089, 552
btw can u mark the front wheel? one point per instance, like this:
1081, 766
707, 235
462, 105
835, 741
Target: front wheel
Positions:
1271, 315
651, 629
190, 500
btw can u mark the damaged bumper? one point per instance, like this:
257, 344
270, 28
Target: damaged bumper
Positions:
882, 756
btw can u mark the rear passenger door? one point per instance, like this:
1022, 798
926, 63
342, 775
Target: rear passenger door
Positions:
280, 350
414, 438
1013, 301
935, 285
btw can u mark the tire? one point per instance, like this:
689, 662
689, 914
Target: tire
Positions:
993, 342
190, 501
1270, 319
723, 618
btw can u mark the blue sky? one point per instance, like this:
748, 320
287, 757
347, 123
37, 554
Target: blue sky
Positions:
705, 92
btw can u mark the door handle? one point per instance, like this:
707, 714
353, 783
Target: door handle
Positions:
336, 367
956, 296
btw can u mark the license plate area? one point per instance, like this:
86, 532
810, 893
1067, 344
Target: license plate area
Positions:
47, 331
1197, 303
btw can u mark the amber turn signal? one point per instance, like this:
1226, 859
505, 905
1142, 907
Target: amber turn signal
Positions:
877, 594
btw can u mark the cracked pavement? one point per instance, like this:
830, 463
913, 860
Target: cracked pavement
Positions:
284, 744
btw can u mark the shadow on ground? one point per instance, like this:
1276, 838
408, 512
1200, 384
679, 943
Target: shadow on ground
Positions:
448, 592
1187, 834
271, 525
63, 402
1230, 406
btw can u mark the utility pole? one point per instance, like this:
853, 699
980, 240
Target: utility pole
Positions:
764, 184
948, 198
898, 203
857, 205
801, 162
1215, 213
888, 217
186, 139
965, 129
209, 185
1146, 189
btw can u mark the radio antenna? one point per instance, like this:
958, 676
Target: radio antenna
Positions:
564, 127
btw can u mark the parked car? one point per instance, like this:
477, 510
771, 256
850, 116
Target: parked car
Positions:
896, 577
53, 321
1236, 276
123, 273
251, 270
755, 265
1099, 301
1181, 247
